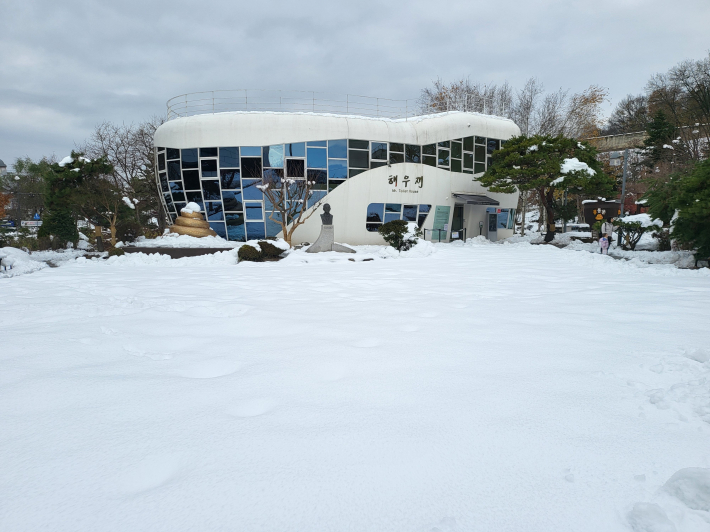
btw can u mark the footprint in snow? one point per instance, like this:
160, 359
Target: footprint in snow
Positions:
251, 408
367, 343
149, 473
209, 369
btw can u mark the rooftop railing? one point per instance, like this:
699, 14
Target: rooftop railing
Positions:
221, 101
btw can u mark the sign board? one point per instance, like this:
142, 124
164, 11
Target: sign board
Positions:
31, 223
454, 234
36, 216
441, 220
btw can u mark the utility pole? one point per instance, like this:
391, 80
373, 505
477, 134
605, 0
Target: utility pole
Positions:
623, 191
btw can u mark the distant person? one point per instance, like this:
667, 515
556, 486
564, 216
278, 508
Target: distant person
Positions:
608, 228
604, 244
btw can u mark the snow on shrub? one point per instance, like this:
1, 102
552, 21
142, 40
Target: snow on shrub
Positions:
399, 234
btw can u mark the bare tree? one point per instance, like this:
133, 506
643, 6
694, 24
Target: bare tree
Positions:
683, 94
130, 150
462, 95
288, 198
629, 116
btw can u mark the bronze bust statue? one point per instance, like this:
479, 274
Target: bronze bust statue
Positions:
326, 217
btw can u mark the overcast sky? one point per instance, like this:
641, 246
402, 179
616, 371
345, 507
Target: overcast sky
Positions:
67, 66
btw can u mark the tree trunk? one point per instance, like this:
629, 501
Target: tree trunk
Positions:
546, 199
525, 208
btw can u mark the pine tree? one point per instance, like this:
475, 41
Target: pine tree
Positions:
660, 133
535, 163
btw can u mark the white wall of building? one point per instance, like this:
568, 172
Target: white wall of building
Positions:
350, 200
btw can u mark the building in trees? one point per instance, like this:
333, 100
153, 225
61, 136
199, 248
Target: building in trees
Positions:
372, 160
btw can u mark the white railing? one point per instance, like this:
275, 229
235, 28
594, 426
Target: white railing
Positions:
289, 101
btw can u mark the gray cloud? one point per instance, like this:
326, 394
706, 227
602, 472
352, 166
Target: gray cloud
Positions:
66, 66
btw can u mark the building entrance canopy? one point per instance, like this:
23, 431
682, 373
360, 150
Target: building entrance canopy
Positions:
476, 199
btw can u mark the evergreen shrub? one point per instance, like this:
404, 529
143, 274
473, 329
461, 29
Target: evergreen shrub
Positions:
396, 234
249, 253
269, 251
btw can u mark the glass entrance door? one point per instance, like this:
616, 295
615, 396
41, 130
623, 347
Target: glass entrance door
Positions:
492, 226
457, 223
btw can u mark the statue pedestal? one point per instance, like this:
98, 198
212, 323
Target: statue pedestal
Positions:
326, 242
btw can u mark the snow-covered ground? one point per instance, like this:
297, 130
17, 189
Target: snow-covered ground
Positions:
463, 387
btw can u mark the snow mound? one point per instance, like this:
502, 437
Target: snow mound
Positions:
691, 486
644, 219
649, 517
699, 355
190, 208
18, 262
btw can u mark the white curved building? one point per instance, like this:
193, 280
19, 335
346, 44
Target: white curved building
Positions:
373, 170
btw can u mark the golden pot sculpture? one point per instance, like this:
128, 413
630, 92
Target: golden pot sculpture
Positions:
192, 224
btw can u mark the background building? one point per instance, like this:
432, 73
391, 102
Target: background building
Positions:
372, 169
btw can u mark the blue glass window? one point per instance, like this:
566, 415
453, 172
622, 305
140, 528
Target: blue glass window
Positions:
295, 167
219, 228
180, 205
480, 154
169, 201
235, 226
210, 189
250, 191
429, 149
253, 211
208, 152
337, 168
213, 210
274, 156
320, 177
251, 167
317, 143
468, 144
455, 149
396, 158
359, 159
273, 175
443, 157
230, 179
161, 161
192, 179
429, 160
413, 153
359, 144
444, 144
174, 170
393, 211
232, 200
409, 213
209, 167
172, 153
176, 186
333, 183
423, 211
316, 158
493, 145
503, 219
164, 187
272, 226
255, 230
316, 196
378, 150
229, 157
338, 149
468, 160
251, 151
375, 212
189, 158
297, 149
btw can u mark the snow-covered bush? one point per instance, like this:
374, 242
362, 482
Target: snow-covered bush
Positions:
250, 253
270, 249
399, 234
634, 227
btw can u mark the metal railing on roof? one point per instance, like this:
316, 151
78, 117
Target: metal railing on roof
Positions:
221, 101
